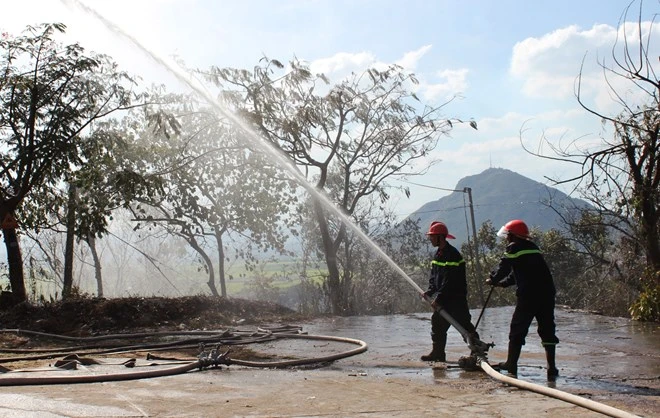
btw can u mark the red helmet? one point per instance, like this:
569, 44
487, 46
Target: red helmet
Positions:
438, 228
515, 227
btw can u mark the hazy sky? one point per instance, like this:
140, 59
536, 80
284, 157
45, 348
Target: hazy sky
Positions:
513, 64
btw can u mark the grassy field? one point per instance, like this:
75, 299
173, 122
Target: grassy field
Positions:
181, 280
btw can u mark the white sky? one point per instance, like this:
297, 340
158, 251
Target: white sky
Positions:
513, 62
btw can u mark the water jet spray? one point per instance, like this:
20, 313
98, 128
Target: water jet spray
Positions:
253, 138
477, 347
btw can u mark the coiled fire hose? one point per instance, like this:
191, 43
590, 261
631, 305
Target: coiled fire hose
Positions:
213, 358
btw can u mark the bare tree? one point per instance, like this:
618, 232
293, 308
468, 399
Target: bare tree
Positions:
621, 176
348, 140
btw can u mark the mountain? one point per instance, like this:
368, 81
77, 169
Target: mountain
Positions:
498, 195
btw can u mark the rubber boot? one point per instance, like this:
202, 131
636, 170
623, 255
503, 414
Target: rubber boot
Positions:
552, 368
438, 353
511, 363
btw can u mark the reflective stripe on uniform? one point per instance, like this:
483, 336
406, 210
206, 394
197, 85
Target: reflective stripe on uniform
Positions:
448, 263
523, 252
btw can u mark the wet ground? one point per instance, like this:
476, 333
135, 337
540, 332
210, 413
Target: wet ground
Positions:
594, 351
612, 361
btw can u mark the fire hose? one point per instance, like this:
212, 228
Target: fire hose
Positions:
206, 359
558, 394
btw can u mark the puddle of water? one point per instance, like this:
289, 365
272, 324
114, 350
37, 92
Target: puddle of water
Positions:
596, 352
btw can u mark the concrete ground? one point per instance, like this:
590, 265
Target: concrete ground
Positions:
327, 392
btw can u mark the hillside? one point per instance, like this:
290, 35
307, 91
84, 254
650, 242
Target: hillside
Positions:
498, 195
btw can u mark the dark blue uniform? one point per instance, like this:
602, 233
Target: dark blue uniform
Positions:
448, 287
523, 265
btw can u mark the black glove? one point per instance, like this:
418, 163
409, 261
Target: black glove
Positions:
489, 281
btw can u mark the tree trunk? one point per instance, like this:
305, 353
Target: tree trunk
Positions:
91, 242
15, 262
652, 250
346, 279
650, 232
221, 261
333, 282
211, 283
70, 238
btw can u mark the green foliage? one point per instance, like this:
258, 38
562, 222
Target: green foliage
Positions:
647, 306
50, 96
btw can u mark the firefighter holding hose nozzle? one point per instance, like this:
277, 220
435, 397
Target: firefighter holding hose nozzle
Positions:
523, 265
447, 290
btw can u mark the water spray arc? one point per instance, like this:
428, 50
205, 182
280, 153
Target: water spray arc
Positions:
478, 348
254, 139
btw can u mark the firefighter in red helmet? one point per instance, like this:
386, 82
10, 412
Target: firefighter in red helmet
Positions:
447, 290
523, 265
